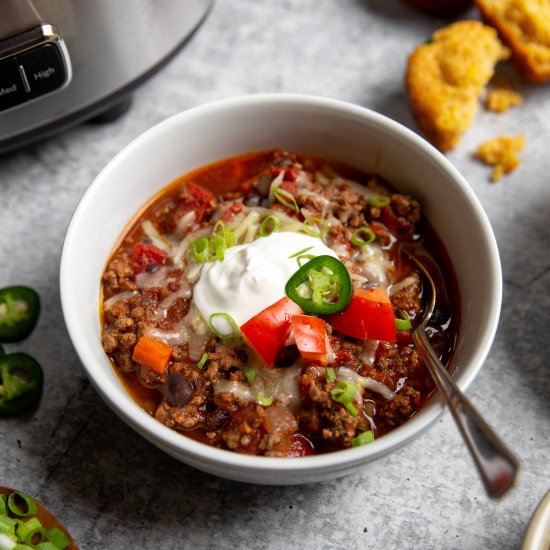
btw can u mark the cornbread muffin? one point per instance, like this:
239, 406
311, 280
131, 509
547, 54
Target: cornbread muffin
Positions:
502, 153
446, 76
524, 25
500, 99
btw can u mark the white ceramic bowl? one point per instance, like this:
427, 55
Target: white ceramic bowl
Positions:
307, 124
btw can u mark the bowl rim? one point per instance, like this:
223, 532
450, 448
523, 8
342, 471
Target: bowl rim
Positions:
171, 441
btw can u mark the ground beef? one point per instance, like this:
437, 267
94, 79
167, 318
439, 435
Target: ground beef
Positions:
222, 361
183, 418
340, 425
406, 207
408, 298
346, 204
401, 407
398, 360
245, 431
119, 275
334, 424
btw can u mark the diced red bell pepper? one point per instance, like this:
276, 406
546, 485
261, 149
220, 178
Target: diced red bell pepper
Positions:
370, 316
311, 337
147, 255
267, 332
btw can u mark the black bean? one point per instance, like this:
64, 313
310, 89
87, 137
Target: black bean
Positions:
178, 390
216, 419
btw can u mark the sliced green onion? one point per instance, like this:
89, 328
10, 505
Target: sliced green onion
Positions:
379, 201
48, 546
200, 250
330, 375
7, 524
216, 248
264, 400
344, 393
362, 438
286, 199
270, 224
220, 230
363, 236
202, 360
3, 505
300, 252
249, 373
231, 321
29, 530
316, 227
30, 505
58, 538
307, 257
351, 409
402, 321
213, 249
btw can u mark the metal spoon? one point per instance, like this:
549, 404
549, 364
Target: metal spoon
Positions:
497, 466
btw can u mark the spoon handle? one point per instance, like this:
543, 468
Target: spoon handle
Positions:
496, 464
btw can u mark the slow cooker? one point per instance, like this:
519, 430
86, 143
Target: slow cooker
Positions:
63, 62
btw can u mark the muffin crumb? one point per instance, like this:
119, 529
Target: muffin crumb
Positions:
500, 99
503, 153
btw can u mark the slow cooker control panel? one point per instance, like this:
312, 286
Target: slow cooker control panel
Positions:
32, 64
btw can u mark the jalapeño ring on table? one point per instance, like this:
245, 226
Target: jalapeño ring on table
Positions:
19, 311
21, 382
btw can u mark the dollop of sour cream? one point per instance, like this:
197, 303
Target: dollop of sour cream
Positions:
253, 276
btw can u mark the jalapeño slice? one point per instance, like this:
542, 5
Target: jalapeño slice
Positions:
21, 381
321, 286
19, 310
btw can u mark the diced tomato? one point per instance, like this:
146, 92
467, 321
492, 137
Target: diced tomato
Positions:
300, 445
197, 194
341, 356
147, 255
395, 222
370, 315
194, 198
233, 209
290, 187
404, 337
268, 331
311, 337
291, 173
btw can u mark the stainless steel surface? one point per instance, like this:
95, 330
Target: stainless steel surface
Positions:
21, 42
497, 466
111, 45
17, 16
